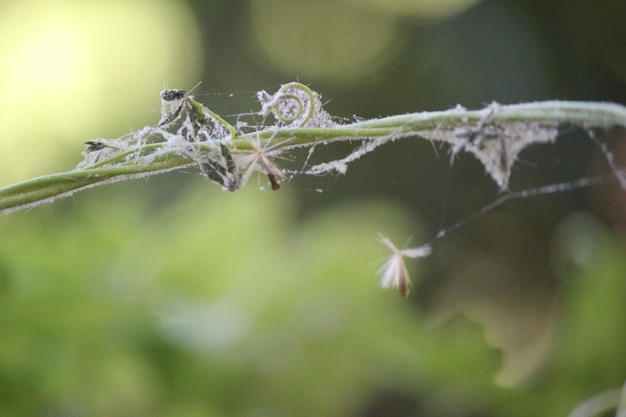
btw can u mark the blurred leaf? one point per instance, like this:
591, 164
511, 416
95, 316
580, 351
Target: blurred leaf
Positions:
215, 300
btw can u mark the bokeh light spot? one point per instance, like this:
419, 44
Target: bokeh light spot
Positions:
328, 40
69, 69
427, 9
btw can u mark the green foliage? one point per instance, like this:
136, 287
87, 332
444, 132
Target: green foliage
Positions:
224, 305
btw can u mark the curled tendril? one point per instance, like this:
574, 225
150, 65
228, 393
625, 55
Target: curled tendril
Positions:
293, 104
284, 109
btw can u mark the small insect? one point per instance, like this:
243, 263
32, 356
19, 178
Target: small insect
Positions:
94, 145
97, 151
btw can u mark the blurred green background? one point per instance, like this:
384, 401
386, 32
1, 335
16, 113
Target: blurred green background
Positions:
169, 297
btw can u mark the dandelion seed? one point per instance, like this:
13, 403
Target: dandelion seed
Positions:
272, 178
259, 160
393, 274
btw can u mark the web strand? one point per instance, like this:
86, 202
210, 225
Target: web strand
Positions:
514, 195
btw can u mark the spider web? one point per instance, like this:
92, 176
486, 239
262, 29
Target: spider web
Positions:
493, 142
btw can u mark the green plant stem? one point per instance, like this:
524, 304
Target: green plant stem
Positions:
49, 187
576, 113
